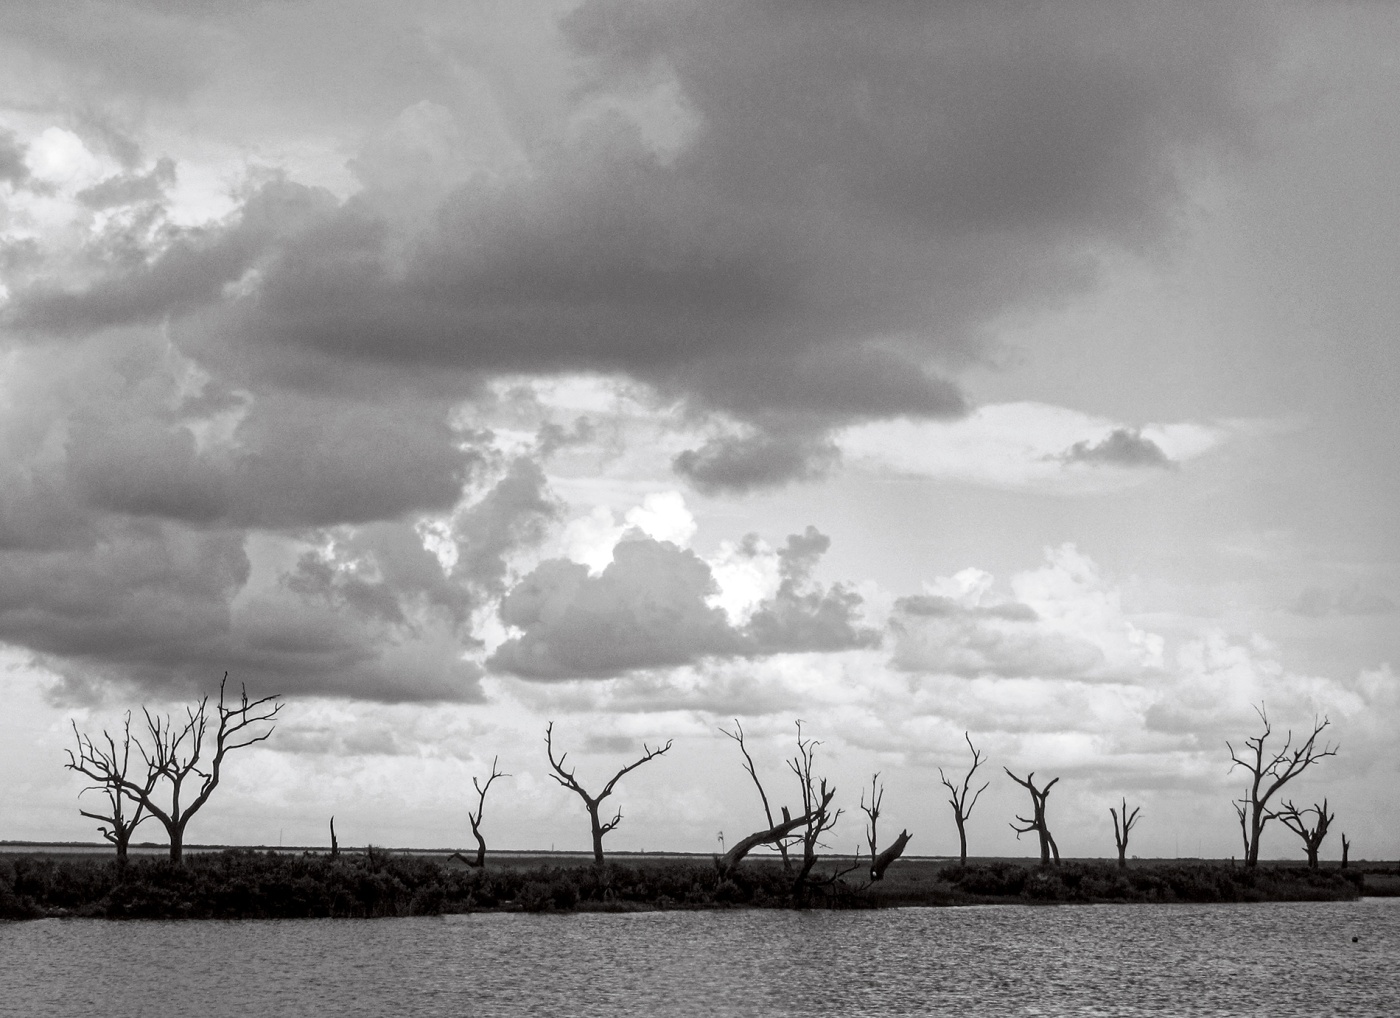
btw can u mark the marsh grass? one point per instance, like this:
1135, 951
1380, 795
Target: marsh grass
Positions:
247, 884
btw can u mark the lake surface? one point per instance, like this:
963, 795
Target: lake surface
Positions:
1267, 960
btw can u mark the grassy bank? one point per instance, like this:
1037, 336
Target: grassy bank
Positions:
243, 884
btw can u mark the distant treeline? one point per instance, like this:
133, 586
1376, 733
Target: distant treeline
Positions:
243, 884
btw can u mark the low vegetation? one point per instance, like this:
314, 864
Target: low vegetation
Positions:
243, 884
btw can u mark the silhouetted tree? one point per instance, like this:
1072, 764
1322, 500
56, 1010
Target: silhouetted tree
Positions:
779, 834
475, 818
176, 752
592, 802
1346, 849
1120, 831
816, 806
957, 798
879, 861
335, 845
1268, 773
1292, 818
108, 768
1037, 820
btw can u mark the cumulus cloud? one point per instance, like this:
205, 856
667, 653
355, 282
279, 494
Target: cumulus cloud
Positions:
1062, 621
1124, 447
656, 606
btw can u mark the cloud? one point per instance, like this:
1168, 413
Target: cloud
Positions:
1030, 446
1063, 621
656, 605
12, 165
1317, 602
823, 241
1123, 447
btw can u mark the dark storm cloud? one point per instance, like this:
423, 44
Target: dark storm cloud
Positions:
648, 609
1124, 447
865, 188
133, 551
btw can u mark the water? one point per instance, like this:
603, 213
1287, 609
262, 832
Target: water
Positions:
1267, 960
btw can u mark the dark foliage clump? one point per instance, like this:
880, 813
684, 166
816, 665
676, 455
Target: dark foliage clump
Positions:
243, 884
1099, 881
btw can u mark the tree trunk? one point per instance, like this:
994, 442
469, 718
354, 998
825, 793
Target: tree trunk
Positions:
597, 834
1346, 847
177, 843
889, 855
962, 841
1122, 857
768, 837
1312, 857
481, 849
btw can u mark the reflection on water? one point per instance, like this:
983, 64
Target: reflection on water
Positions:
1266, 960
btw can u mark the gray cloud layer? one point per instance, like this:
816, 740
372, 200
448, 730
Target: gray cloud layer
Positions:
854, 192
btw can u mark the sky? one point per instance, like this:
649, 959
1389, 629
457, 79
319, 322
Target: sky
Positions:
906, 369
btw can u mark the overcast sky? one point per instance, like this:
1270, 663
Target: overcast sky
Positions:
907, 368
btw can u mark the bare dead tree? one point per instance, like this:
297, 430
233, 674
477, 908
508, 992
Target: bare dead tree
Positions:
592, 802
777, 834
475, 818
1120, 831
1346, 850
1037, 820
872, 812
1293, 818
816, 806
107, 767
957, 798
176, 751
335, 845
880, 861
1268, 773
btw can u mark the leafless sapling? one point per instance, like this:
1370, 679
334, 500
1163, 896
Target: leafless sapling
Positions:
107, 767
475, 818
177, 748
957, 798
879, 861
816, 806
1269, 772
1293, 818
1037, 820
1121, 830
779, 834
1346, 850
592, 802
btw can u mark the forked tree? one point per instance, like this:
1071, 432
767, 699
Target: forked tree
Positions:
1269, 772
176, 752
474, 818
1036, 822
879, 861
957, 798
1122, 829
593, 802
1346, 850
780, 834
107, 766
816, 806
1294, 819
